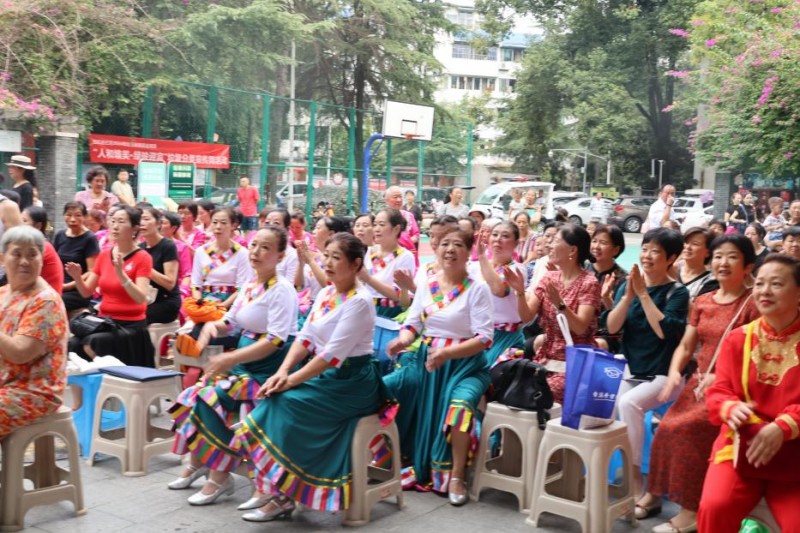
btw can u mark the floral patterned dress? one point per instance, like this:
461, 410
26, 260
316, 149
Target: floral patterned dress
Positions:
584, 290
682, 444
31, 390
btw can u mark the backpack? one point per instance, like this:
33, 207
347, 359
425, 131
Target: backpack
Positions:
522, 384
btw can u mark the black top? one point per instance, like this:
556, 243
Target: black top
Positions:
415, 210
162, 252
25, 191
75, 249
760, 259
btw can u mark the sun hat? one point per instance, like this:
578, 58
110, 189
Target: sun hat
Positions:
21, 161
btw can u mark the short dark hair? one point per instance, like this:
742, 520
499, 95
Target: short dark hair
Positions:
38, 216
80, 206
228, 210
668, 239
173, 219
287, 218
576, 235
99, 170
552, 224
352, 248
615, 234
370, 216
155, 213
190, 206
787, 260
742, 243
134, 216
697, 230
472, 222
791, 231
760, 231
337, 224
12, 195
719, 222
468, 239
208, 205
522, 213
445, 220
298, 215
510, 225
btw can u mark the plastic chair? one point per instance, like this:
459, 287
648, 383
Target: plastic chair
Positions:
83, 417
52, 483
594, 447
158, 334
513, 470
371, 484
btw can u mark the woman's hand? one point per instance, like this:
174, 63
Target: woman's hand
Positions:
436, 358
481, 247
74, 270
674, 380
302, 250
395, 346
608, 286
219, 365
515, 279
208, 332
738, 415
704, 383
403, 279
278, 382
765, 445
553, 295
636, 282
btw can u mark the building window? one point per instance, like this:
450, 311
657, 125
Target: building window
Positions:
465, 51
462, 17
473, 83
462, 51
508, 54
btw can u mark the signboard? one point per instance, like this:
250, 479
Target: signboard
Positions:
152, 182
131, 150
10, 141
181, 181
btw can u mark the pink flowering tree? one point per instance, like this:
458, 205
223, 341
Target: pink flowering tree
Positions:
749, 80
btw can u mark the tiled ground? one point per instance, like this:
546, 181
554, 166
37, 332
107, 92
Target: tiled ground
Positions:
144, 505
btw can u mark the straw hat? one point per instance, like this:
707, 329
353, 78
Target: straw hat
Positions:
21, 161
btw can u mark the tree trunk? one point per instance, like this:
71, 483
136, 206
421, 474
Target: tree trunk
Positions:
278, 111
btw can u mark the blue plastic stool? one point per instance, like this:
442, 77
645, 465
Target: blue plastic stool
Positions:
386, 330
649, 432
84, 417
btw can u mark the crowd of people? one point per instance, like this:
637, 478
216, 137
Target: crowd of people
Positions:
702, 322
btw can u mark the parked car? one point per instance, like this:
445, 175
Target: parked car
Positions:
564, 197
687, 205
300, 189
497, 198
698, 218
226, 196
580, 210
200, 191
629, 212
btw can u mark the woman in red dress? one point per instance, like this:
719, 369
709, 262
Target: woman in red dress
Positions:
755, 399
679, 454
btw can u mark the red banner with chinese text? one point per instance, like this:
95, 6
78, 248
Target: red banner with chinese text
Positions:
131, 150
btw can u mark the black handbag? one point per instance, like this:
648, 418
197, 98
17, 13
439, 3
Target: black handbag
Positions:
87, 324
523, 384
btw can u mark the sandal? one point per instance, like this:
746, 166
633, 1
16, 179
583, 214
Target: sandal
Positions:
282, 508
669, 527
643, 512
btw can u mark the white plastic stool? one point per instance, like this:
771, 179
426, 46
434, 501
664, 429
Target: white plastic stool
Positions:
157, 333
513, 470
365, 492
138, 441
199, 362
763, 515
594, 447
52, 483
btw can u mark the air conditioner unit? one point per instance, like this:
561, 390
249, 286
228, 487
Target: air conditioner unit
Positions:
503, 65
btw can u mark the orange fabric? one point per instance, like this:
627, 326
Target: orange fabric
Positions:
207, 312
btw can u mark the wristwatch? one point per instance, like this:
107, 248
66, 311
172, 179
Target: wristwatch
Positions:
561, 306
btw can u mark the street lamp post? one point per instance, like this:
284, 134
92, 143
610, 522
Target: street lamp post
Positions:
586, 154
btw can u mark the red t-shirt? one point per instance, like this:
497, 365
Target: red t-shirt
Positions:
248, 201
116, 302
52, 268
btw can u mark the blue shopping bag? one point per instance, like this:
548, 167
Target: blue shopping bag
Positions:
386, 330
591, 386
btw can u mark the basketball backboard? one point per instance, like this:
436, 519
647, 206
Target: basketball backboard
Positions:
407, 121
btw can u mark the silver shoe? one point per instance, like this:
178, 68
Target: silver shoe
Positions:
279, 512
255, 502
186, 482
198, 498
457, 499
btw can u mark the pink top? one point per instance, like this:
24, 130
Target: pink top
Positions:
412, 229
86, 198
248, 200
102, 239
196, 238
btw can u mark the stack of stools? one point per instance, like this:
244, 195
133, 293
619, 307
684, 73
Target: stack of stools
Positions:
562, 497
84, 415
513, 470
158, 334
52, 484
136, 388
372, 484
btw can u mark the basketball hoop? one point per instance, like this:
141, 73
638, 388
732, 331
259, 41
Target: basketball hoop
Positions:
411, 136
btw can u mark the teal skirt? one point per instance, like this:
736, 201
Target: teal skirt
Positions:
447, 400
204, 415
502, 342
403, 384
299, 440
388, 312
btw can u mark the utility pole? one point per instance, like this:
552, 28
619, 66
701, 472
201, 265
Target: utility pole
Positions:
291, 129
660, 172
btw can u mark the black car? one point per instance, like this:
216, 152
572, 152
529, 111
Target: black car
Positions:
630, 212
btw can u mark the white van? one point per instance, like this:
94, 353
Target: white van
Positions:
497, 197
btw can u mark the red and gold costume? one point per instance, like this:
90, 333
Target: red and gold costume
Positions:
760, 365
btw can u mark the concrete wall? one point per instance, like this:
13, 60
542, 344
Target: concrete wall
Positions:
56, 173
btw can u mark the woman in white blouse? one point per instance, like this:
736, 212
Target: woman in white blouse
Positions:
222, 265
453, 313
385, 258
299, 436
263, 319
